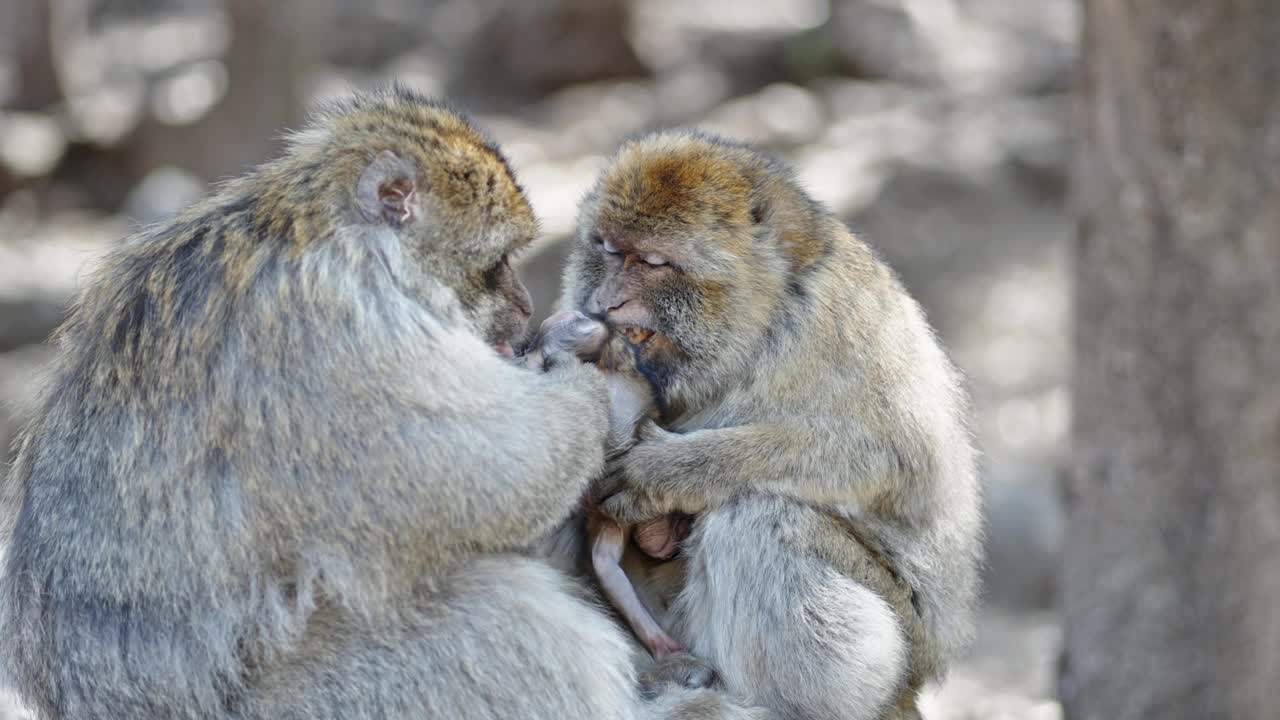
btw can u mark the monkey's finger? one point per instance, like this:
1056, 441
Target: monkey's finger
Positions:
561, 360
608, 484
615, 506
629, 507
649, 431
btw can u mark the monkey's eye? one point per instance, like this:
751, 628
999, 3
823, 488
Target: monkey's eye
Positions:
609, 247
493, 275
654, 259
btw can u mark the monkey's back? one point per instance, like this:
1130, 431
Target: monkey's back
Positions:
853, 351
912, 396
168, 495
131, 537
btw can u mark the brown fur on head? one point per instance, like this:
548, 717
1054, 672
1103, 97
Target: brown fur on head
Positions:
690, 244
397, 159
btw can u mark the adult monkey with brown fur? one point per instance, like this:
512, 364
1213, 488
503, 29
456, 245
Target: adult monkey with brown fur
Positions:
812, 423
280, 470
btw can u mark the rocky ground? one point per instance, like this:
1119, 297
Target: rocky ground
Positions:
936, 128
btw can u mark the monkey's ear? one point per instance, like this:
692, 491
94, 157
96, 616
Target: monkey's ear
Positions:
387, 190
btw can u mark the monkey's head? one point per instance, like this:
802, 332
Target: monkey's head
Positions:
402, 164
688, 246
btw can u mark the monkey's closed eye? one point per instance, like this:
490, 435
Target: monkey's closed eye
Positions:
654, 259
608, 246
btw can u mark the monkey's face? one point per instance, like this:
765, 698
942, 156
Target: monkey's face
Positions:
670, 252
498, 303
458, 211
481, 221
475, 260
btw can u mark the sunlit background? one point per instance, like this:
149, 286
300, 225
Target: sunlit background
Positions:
936, 128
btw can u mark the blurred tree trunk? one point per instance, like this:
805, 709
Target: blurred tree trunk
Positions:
272, 44
1171, 578
24, 39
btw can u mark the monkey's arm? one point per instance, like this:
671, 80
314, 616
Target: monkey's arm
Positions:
458, 452
823, 461
524, 457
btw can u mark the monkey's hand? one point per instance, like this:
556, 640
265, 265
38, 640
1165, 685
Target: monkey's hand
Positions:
565, 332
824, 461
634, 488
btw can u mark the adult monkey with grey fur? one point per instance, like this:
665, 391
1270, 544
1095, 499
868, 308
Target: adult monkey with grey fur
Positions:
812, 424
280, 470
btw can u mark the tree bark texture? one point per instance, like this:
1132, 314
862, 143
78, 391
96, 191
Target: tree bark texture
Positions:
1171, 575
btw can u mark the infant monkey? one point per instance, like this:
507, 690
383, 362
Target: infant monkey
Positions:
630, 399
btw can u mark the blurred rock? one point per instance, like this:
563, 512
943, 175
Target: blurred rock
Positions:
967, 45
779, 115
596, 117
526, 49
375, 33
879, 40
752, 42
1019, 142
